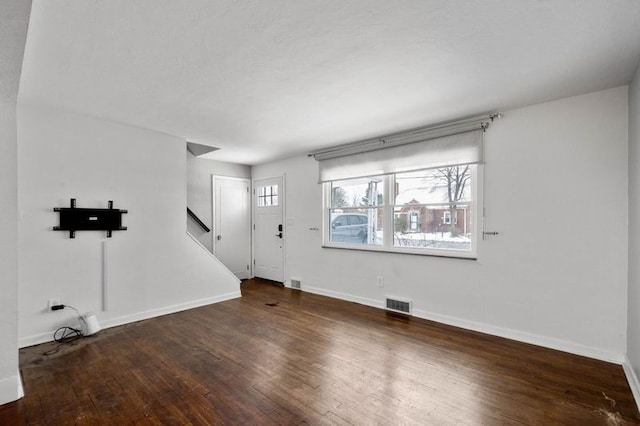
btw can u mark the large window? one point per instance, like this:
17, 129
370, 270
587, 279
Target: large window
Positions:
432, 211
415, 192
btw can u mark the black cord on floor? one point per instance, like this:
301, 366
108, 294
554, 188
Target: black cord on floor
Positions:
64, 335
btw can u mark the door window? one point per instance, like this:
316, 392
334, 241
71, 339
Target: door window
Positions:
267, 196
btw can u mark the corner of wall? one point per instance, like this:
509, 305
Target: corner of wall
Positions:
634, 384
11, 389
8, 253
632, 359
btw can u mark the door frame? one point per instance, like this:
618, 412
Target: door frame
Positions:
282, 199
214, 216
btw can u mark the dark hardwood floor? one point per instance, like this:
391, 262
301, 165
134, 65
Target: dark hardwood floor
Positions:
280, 356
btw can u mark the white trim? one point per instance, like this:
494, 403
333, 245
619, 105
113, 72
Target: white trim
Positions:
447, 253
35, 339
125, 319
344, 296
388, 210
632, 378
520, 336
138, 316
152, 313
11, 389
446, 218
282, 201
215, 226
413, 225
105, 275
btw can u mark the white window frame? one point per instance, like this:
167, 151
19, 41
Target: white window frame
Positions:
270, 196
413, 214
446, 218
388, 221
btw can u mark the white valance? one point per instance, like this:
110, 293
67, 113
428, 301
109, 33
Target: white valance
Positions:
453, 144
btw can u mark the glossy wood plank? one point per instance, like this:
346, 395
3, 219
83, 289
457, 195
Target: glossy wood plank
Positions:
284, 357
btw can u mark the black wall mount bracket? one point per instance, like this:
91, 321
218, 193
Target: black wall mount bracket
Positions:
73, 219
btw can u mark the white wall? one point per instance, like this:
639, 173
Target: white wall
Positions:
153, 267
199, 191
10, 387
14, 16
556, 275
633, 330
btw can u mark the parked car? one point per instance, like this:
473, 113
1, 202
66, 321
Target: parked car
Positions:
349, 228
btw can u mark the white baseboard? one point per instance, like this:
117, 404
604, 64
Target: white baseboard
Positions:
47, 336
11, 389
520, 336
344, 296
35, 339
138, 316
632, 378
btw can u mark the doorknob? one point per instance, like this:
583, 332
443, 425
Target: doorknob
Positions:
279, 235
219, 237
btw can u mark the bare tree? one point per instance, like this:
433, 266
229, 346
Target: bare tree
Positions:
339, 197
372, 196
456, 179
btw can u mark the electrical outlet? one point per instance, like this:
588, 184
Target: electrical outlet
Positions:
380, 282
54, 302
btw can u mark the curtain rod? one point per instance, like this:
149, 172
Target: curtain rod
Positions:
408, 136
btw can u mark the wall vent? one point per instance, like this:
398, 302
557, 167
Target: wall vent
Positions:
398, 305
296, 284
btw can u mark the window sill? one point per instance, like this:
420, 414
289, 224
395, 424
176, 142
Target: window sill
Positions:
450, 254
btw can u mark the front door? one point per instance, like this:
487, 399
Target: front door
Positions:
268, 228
232, 224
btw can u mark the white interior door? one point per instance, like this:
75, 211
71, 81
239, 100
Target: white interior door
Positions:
232, 224
268, 240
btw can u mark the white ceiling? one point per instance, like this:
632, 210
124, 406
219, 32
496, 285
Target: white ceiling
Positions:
266, 79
